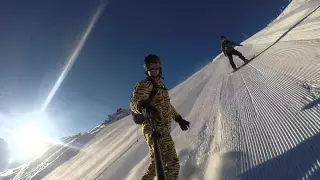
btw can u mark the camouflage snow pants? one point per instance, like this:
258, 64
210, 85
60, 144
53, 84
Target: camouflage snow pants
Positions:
169, 157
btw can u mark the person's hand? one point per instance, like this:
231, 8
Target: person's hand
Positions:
147, 106
184, 125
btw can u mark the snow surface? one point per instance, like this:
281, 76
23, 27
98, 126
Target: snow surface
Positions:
261, 122
57, 154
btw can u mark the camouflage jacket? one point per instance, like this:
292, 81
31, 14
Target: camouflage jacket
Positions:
161, 102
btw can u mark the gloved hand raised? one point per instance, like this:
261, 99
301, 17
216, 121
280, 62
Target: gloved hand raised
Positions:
184, 125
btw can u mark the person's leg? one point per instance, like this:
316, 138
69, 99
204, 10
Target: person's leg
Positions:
231, 60
151, 170
169, 156
237, 53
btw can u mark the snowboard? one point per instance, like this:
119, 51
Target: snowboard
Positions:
244, 64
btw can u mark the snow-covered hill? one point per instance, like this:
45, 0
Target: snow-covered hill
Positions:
4, 154
57, 154
261, 122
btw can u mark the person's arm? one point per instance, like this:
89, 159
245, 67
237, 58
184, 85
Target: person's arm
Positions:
141, 93
222, 49
175, 114
234, 43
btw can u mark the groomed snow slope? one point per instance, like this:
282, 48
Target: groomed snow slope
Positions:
262, 122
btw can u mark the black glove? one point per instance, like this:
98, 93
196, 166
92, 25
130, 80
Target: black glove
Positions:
184, 125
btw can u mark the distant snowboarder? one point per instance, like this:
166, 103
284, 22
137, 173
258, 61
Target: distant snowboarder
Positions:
227, 47
160, 105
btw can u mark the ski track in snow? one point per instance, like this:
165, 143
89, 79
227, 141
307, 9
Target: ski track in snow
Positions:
261, 122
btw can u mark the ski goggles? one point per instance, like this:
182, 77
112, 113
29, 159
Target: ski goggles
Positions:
153, 67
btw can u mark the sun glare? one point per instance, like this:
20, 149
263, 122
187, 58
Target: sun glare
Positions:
30, 139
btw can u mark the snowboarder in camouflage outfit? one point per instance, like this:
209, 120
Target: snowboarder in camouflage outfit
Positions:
227, 47
160, 104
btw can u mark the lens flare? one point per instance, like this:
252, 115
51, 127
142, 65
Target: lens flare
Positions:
74, 55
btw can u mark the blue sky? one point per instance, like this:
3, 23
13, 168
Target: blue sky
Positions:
37, 38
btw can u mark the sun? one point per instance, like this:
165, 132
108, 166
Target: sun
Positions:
30, 139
